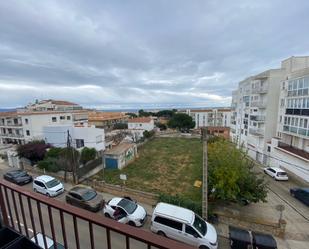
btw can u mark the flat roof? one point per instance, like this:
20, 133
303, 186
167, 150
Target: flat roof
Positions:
119, 149
175, 212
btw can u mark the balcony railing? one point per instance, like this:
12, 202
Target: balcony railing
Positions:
294, 150
260, 90
296, 130
257, 118
256, 132
30, 213
259, 104
11, 135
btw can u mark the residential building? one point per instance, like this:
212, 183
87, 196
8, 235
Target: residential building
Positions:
11, 130
142, 123
52, 105
219, 131
105, 120
218, 117
290, 147
80, 136
270, 116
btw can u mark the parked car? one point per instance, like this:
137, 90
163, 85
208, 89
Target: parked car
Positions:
85, 197
276, 173
47, 185
125, 210
301, 194
184, 225
50, 243
18, 176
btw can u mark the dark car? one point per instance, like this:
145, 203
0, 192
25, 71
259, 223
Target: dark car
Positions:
85, 197
18, 176
301, 194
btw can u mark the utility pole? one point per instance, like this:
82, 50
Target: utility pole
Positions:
70, 158
205, 175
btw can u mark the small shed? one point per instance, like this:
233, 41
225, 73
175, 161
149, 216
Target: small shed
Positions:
120, 156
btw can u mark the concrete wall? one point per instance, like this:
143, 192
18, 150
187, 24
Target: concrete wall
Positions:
143, 126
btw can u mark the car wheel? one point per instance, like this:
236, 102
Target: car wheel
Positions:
107, 215
203, 247
161, 233
47, 194
131, 223
35, 190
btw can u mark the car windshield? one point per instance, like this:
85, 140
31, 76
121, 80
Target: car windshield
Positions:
200, 225
20, 174
52, 183
127, 205
281, 174
89, 195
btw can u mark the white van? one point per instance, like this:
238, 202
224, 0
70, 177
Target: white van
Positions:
184, 225
47, 185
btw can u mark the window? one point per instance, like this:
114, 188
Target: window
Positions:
79, 143
68, 117
191, 231
62, 117
26, 121
27, 132
140, 124
268, 148
99, 139
170, 223
54, 119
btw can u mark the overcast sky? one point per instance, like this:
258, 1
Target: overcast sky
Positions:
117, 54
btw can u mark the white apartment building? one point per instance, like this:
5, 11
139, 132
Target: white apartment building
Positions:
142, 123
255, 111
270, 116
211, 117
11, 130
80, 136
290, 148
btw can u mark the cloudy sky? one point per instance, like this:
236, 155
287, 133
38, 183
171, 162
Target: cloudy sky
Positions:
118, 54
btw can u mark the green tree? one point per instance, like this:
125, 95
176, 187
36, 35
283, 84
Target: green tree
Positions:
120, 126
148, 134
87, 154
165, 113
131, 114
231, 175
181, 121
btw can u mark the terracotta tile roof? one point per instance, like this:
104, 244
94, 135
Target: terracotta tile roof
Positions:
224, 110
102, 116
8, 114
140, 120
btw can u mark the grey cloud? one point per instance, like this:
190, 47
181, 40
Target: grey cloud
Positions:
139, 52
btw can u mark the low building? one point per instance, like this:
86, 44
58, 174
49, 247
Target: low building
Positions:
120, 156
219, 131
81, 136
142, 123
105, 120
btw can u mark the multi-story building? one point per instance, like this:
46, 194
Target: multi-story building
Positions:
11, 130
211, 117
270, 116
105, 120
290, 147
141, 123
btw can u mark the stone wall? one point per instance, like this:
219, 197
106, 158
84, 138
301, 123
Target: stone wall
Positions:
117, 190
251, 223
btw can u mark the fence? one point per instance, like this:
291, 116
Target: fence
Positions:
31, 213
141, 196
89, 166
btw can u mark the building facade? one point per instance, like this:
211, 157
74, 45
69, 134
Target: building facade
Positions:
11, 129
106, 120
270, 116
142, 123
211, 117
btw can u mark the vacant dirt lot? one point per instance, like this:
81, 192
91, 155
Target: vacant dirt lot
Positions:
166, 165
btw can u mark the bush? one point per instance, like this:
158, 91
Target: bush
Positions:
54, 152
49, 164
182, 201
34, 151
162, 127
87, 155
148, 134
120, 126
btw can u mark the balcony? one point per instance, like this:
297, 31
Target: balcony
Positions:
294, 150
260, 90
12, 135
30, 213
256, 132
257, 118
296, 130
259, 104
298, 112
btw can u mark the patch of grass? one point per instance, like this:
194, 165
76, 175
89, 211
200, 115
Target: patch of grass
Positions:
165, 165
